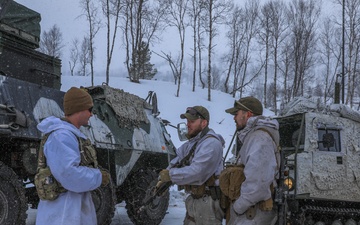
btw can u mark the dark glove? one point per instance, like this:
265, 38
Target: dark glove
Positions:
164, 176
105, 177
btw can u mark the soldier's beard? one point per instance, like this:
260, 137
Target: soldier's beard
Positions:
241, 126
192, 133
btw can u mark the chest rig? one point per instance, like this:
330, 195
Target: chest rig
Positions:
48, 188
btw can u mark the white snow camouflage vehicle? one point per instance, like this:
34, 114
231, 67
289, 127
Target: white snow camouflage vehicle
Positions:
320, 169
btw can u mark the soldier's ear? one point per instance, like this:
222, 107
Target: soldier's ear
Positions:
249, 114
204, 123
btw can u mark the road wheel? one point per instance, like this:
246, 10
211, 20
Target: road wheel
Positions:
13, 204
140, 186
104, 201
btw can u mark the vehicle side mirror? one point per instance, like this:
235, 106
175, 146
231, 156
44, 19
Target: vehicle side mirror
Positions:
182, 131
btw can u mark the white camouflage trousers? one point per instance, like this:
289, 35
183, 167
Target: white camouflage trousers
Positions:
261, 218
204, 211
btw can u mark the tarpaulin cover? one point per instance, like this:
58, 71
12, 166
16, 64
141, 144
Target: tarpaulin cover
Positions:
20, 17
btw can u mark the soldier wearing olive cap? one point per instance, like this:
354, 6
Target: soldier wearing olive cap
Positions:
196, 169
258, 138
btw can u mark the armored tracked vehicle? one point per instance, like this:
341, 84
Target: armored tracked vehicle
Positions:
130, 138
320, 170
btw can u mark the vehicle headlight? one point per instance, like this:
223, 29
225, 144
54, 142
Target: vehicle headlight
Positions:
289, 183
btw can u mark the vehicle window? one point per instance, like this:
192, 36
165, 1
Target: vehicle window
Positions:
329, 140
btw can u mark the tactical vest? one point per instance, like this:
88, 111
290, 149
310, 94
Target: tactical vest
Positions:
48, 188
197, 191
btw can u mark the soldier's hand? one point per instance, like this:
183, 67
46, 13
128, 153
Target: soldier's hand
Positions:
164, 176
105, 177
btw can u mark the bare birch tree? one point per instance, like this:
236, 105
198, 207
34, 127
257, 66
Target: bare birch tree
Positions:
250, 28
111, 10
236, 39
200, 46
216, 12
91, 14
177, 12
173, 63
302, 17
74, 56
51, 42
264, 40
352, 47
194, 12
285, 62
274, 27
84, 56
330, 57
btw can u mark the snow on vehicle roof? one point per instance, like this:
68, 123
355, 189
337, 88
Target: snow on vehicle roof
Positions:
313, 104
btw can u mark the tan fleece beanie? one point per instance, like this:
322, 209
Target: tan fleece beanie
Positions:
76, 100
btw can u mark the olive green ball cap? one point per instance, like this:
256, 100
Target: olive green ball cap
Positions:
196, 112
246, 104
76, 100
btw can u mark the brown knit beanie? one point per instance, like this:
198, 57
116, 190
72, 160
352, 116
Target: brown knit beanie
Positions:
76, 100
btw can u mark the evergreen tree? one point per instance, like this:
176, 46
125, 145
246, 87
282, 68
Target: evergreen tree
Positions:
143, 68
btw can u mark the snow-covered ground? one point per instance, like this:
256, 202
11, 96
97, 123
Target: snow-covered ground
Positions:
174, 216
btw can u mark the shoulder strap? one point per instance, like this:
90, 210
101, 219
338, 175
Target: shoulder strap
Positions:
184, 161
265, 130
41, 157
277, 149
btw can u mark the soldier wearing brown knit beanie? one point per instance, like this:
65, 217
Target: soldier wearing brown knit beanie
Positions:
76, 100
77, 106
72, 162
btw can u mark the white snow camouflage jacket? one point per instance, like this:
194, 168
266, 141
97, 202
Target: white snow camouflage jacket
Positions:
257, 154
207, 160
62, 154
